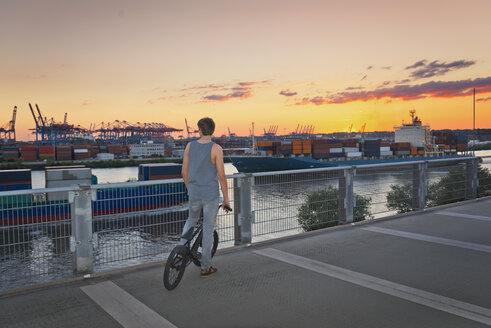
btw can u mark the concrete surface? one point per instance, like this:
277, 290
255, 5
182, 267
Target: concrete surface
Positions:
253, 290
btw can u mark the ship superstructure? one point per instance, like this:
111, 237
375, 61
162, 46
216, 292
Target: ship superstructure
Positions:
417, 134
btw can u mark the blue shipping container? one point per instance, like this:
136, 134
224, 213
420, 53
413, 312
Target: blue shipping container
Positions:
146, 171
19, 186
15, 175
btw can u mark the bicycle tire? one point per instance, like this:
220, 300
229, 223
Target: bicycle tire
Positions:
196, 255
175, 266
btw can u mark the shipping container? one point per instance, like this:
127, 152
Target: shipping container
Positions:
353, 154
320, 155
15, 176
66, 177
149, 171
68, 173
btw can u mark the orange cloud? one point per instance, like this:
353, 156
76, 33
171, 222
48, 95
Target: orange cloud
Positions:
242, 90
433, 89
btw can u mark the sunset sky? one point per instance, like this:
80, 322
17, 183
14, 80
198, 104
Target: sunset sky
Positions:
324, 63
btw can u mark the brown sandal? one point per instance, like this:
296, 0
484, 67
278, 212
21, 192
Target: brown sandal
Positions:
209, 272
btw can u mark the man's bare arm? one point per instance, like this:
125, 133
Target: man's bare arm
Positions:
222, 178
185, 166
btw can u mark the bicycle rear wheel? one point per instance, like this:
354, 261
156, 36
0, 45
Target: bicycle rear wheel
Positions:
175, 266
195, 249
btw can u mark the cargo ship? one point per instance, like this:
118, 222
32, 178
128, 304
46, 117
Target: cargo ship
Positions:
413, 142
54, 206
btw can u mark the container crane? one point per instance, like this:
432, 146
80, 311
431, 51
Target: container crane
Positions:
53, 132
362, 131
271, 131
189, 131
349, 131
8, 130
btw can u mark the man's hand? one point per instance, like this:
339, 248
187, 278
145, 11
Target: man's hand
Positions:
226, 205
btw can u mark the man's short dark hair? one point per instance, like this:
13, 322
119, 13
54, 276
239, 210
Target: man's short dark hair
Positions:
207, 126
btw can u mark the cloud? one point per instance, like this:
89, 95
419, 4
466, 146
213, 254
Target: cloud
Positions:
86, 103
433, 89
204, 87
417, 64
423, 69
287, 93
363, 78
354, 88
241, 90
369, 67
246, 84
240, 93
153, 101
484, 99
386, 67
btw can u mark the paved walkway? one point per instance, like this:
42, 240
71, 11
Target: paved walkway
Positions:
427, 270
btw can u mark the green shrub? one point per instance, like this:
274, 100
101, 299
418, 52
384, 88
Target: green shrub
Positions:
449, 189
320, 209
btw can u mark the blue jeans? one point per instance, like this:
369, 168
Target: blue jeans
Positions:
210, 211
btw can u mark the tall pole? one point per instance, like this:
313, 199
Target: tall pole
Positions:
474, 117
253, 139
474, 111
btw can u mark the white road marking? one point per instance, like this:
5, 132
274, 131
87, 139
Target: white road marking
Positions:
442, 303
462, 215
124, 308
431, 239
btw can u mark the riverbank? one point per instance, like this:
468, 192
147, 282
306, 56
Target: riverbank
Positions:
480, 147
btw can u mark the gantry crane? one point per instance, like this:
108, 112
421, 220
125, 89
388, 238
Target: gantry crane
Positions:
7, 131
52, 132
349, 131
124, 132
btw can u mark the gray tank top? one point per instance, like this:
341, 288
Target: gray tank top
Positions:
203, 176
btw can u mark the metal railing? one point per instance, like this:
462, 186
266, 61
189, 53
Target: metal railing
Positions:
49, 234
35, 233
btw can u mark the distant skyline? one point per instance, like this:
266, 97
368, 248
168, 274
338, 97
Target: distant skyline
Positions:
329, 64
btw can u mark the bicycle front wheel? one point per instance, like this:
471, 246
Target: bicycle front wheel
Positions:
175, 266
196, 248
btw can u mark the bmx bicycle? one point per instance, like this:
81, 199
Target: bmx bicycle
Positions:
182, 255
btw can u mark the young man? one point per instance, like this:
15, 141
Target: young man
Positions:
202, 171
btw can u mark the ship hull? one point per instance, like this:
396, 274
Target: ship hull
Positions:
250, 164
20, 210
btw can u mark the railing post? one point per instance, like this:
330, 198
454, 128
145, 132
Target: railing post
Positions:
81, 240
237, 237
346, 197
471, 178
419, 186
244, 217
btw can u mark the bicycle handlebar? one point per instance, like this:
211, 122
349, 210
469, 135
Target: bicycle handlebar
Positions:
226, 208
